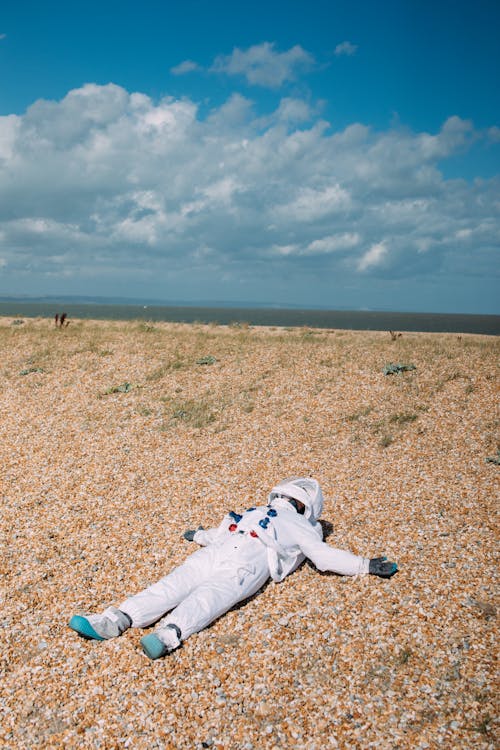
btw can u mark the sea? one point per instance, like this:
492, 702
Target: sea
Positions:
358, 320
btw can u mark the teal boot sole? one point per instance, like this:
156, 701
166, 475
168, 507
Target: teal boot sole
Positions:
83, 627
153, 647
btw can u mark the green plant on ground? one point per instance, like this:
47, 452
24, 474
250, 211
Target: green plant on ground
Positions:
404, 656
29, 370
358, 414
123, 388
207, 360
484, 725
177, 363
386, 440
195, 413
494, 459
402, 418
144, 411
146, 327
397, 368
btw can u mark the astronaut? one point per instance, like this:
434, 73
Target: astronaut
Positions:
234, 562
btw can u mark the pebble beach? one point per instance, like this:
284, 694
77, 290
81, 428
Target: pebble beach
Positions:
115, 437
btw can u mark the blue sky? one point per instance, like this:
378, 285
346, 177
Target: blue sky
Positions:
313, 153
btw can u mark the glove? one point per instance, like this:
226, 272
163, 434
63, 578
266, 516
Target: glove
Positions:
379, 566
189, 534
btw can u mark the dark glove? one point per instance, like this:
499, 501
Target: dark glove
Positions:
379, 566
189, 534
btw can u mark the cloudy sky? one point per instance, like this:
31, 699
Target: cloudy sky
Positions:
303, 152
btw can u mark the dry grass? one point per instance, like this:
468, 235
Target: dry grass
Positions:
99, 480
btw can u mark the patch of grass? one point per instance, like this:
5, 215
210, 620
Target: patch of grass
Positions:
397, 368
195, 413
386, 440
403, 418
484, 726
123, 388
41, 355
207, 360
29, 370
144, 411
405, 655
157, 374
481, 696
494, 459
455, 375
178, 363
311, 334
358, 414
146, 327
93, 344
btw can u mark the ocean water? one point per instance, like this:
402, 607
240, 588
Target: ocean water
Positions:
344, 319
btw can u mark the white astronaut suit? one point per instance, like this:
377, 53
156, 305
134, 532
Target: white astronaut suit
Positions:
235, 560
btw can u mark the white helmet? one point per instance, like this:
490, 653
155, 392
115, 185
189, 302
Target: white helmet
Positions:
303, 489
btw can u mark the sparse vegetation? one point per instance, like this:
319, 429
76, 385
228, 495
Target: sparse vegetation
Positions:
494, 459
207, 360
402, 418
386, 440
99, 491
405, 655
484, 725
123, 388
396, 369
196, 413
29, 370
355, 416
394, 335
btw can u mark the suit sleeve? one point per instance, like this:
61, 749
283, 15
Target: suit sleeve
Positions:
204, 537
329, 558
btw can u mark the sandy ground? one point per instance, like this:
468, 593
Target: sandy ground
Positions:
99, 479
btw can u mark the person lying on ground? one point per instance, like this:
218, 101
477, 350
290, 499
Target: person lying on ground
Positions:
234, 562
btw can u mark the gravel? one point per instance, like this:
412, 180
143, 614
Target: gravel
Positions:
114, 440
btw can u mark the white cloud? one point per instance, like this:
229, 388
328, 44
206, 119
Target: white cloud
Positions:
311, 204
373, 257
8, 134
262, 65
345, 48
293, 110
334, 242
114, 187
187, 66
